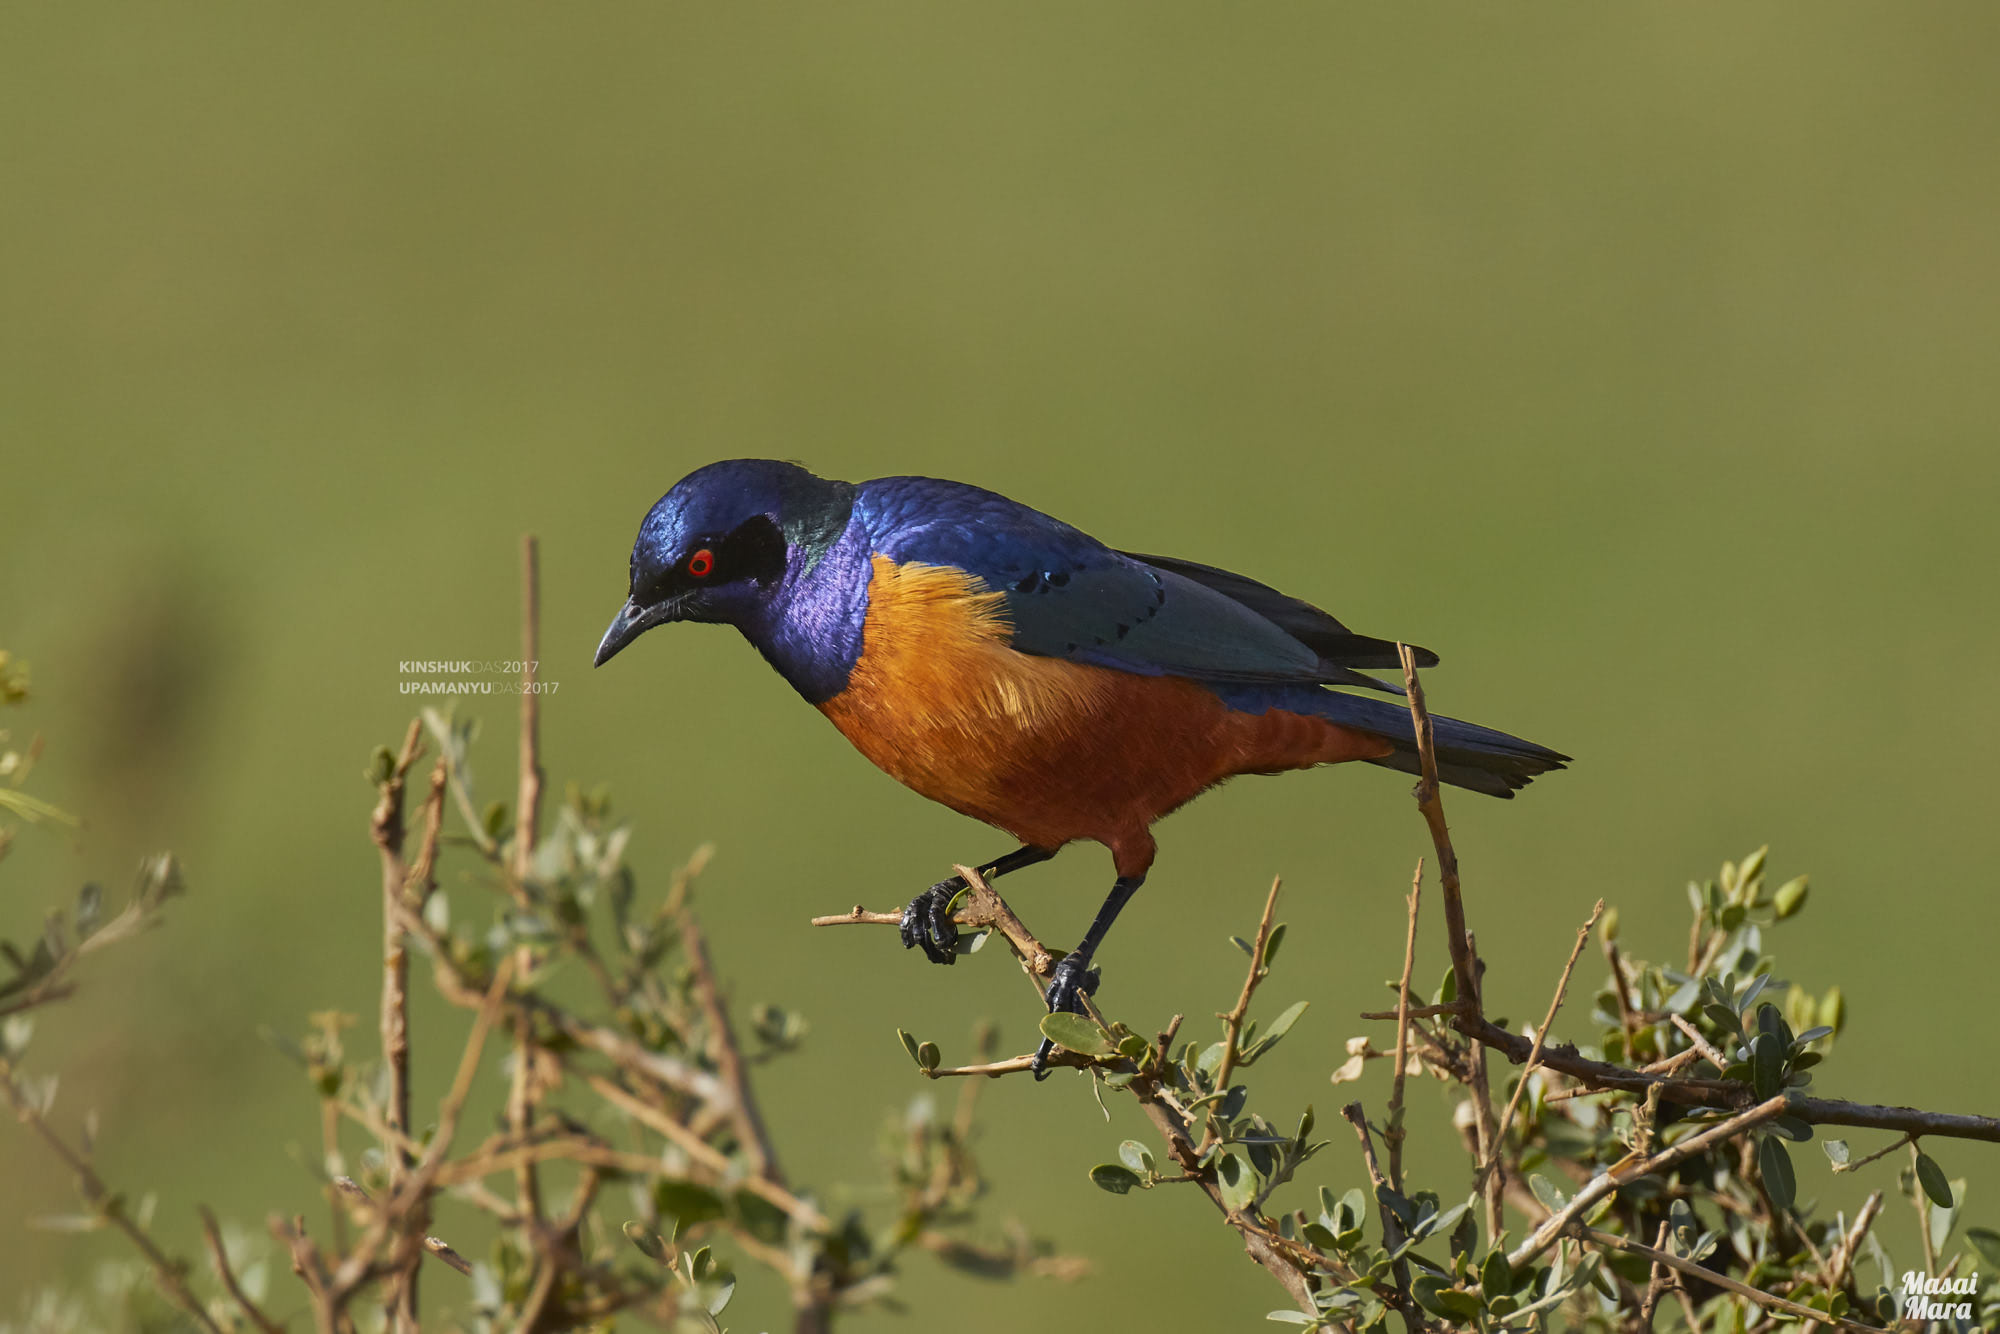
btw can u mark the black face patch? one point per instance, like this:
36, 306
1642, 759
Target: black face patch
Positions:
754, 551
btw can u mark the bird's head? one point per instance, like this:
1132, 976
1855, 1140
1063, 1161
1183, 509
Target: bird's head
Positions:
717, 547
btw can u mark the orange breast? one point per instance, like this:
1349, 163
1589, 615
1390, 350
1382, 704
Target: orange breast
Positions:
1048, 750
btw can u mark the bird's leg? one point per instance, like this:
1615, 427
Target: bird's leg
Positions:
927, 920
1074, 973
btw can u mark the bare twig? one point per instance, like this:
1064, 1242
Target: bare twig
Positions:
1541, 1036
1832, 1112
218, 1256
1392, 1226
1464, 961
1842, 1260
1859, 1163
385, 826
168, 1273
1923, 1206
1393, 1131
527, 818
1700, 1043
1628, 1021
1656, 1285
1013, 1065
705, 1153
1689, 1267
451, 1257
311, 1270
1232, 1022
1635, 1166
728, 1055
400, 883
527, 813
1417, 1012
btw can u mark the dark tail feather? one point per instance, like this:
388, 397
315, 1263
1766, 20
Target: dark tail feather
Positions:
1468, 755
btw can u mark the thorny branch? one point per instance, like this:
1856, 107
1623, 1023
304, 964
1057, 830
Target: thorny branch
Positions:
1304, 1269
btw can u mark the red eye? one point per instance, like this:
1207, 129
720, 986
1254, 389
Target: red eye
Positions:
701, 563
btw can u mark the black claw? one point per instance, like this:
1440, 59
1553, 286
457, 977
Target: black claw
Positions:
1071, 978
927, 922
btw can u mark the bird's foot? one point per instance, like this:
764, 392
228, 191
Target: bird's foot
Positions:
1073, 976
927, 921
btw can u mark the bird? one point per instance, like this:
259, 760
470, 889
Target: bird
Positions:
1021, 672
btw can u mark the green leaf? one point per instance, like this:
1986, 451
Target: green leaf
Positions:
1133, 1047
647, 1240
1289, 1317
1425, 1288
910, 1046
1836, 1149
1723, 1017
1075, 1032
1110, 1176
1237, 1179
1463, 1305
1833, 1010
1551, 1198
1767, 1065
1791, 897
1276, 938
1812, 1035
928, 1057
1443, 1222
685, 1202
1774, 1164
1136, 1156
1279, 1027
1495, 1277
1465, 1236
1931, 1177
1353, 1210
1986, 1241
1792, 1128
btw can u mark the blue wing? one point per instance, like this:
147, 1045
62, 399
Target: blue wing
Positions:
1070, 596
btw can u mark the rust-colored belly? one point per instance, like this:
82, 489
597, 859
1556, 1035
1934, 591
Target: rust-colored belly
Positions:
1048, 750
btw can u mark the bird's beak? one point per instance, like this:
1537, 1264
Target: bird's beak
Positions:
632, 621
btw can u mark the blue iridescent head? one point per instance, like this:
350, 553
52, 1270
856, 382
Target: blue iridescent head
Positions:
718, 546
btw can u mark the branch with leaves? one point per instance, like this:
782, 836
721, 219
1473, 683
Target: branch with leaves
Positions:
1652, 1163
632, 1174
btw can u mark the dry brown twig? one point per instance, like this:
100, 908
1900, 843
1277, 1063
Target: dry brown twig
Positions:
1764, 1299
218, 1256
1541, 1036
1232, 1019
166, 1273
1392, 1226
1464, 957
1394, 1132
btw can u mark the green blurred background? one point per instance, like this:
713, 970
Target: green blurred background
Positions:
1640, 359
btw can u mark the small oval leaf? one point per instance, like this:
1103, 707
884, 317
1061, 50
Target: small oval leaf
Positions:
1114, 1178
1931, 1177
1075, 1032
1774, 1164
